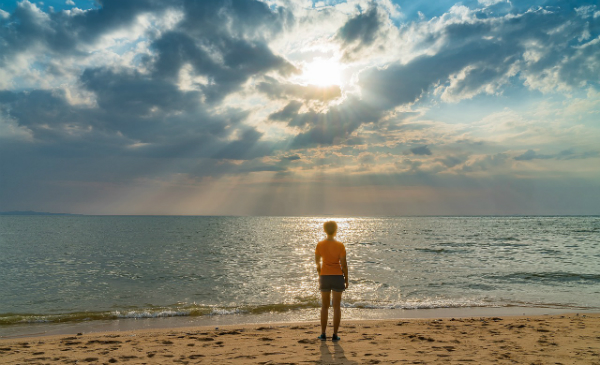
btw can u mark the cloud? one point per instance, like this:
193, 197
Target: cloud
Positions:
134, 116
480, 55
235, 61
333, 126
451, 161
276, 90
568, 154
361, 31
288, 112
292, 158
423, 150
66, 32
485, 163
531, 155
490, 2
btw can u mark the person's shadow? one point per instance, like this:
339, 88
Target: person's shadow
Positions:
334, 354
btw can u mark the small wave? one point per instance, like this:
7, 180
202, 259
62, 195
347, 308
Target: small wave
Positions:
420, 304
198, 310
439, 250
510, 238
546, 277
158, 312
11, 318
150, 314
456, 244
225, 312
433, 250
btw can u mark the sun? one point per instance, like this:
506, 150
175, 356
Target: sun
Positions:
322, 72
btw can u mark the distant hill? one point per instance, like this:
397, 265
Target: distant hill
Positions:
29, 212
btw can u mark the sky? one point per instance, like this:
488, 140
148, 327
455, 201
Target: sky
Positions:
296, 107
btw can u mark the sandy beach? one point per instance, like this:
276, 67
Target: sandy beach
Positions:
551, 339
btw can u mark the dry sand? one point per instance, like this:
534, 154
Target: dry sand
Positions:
556, 339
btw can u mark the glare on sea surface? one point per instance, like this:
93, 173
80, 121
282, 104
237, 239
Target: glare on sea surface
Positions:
322, 72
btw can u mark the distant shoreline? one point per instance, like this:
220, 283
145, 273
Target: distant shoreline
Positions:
29, 212
26, 213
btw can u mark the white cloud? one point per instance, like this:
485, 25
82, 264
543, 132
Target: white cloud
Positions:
70, 2
490, 2
11, 131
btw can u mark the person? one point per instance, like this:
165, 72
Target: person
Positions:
333, 277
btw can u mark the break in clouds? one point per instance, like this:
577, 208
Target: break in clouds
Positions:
300, 107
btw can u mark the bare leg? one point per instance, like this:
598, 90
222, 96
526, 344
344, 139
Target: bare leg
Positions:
337, 311
325, 300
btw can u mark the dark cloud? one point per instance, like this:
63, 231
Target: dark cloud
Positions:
288, 112
361, 31
569, 154
134, 117
65, 31
226, 41
134, 94
210, 19
362, 27
240, 59
334, 126
532, 155
422, 150
223, 41
405, 83
451, 161
366, 159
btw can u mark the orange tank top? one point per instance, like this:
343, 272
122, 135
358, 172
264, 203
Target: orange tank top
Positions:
331, 252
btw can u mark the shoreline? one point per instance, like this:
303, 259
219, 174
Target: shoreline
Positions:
538, 339
281, 318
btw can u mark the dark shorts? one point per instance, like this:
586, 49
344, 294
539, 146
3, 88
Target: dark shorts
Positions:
332, 282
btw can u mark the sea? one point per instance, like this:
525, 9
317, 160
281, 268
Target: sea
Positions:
65, 273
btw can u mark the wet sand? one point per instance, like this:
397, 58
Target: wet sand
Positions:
551, 339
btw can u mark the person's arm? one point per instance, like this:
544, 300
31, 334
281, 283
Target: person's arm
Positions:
318, 262
344, 269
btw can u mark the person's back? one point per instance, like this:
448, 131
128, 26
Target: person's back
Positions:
333, 276
331, 251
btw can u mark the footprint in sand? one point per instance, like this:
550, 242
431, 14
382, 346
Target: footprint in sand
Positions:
127, 358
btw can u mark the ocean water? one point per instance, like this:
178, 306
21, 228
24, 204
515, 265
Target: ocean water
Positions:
85, 268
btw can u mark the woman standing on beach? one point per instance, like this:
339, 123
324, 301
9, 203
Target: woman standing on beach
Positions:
333, 276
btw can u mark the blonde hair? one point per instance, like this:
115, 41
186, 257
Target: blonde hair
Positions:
330, 227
